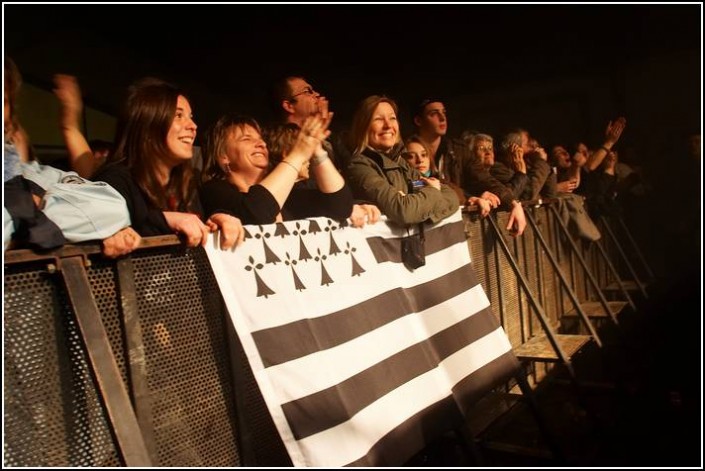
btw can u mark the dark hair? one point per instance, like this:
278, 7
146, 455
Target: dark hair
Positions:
281, 91
146, 118
99, 145
421, 106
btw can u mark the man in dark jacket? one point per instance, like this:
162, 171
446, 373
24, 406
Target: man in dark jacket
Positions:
458, 166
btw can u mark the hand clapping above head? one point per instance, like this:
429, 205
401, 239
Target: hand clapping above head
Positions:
314, 130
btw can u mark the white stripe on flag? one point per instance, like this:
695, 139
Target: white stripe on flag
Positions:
344, 443
337, 343
345, 360
229, 268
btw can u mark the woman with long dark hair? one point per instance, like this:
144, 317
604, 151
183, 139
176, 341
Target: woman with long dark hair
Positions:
151, 167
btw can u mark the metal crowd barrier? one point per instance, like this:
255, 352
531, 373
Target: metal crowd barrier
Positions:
135, 362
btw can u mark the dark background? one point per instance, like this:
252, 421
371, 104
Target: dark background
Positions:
561, 71
227, 55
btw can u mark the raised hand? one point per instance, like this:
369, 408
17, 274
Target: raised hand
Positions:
324, 110
517, 155
314, 130
68, 92
614, 130
612, 134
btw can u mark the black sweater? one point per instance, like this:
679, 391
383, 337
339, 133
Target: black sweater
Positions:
258, 206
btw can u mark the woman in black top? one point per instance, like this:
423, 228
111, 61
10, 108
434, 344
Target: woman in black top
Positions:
242, 182
151, 167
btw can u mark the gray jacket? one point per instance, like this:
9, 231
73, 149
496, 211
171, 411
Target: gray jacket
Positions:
384, 180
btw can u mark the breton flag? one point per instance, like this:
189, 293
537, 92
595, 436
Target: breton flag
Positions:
360, 360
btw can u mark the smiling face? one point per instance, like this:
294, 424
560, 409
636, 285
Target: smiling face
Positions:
182, 133
246, 152
383, 130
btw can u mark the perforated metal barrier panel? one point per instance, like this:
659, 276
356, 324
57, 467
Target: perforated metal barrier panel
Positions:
191, 387
187, 359
52, 414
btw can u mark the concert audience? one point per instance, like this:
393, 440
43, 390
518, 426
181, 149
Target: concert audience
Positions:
459, 167
243, 181
378, 173
46, 207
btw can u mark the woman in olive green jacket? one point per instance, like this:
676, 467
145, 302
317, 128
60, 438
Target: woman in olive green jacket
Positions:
378, 173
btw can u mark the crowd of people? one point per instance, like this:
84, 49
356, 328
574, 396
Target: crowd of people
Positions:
146, 184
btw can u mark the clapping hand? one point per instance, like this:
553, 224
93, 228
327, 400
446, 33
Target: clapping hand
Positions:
314, 130
614, 129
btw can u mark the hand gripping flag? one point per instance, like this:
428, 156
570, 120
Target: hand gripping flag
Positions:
360, 360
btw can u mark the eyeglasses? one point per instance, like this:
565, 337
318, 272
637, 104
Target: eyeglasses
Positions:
485, 149
306, 91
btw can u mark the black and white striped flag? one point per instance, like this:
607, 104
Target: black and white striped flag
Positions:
360, 360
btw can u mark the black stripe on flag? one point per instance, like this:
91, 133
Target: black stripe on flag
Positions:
393, 397
429, 423
336, 404
474, 387
321, 333
421, 428
437, 239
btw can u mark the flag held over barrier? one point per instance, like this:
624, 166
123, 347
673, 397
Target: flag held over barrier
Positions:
360, 360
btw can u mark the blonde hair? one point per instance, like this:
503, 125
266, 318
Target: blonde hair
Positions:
216, 139
362, 119
416, 139
280, 140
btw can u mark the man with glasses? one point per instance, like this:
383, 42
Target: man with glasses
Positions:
293, 100
460, 167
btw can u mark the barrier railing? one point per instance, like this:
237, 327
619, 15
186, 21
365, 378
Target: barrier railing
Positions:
134, 362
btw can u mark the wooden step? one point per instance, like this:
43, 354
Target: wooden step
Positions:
491, 408
629, 285
595, 309
539, 348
